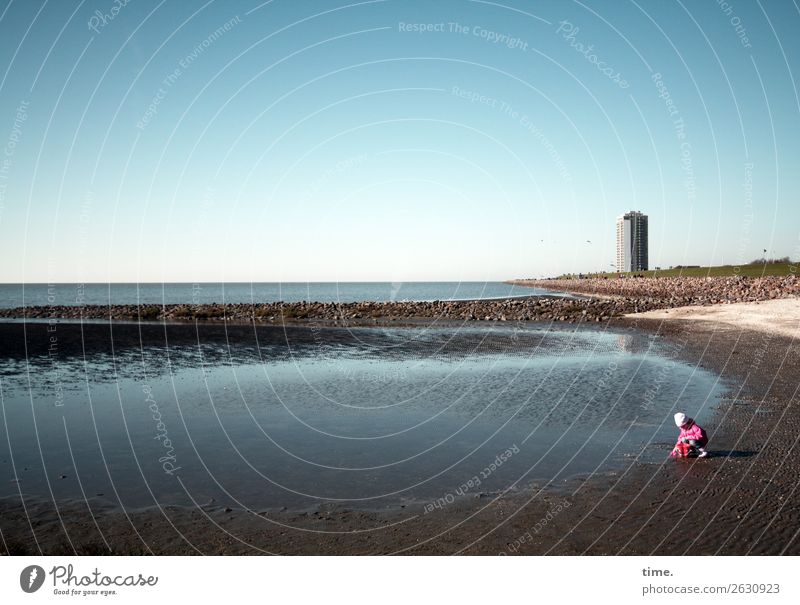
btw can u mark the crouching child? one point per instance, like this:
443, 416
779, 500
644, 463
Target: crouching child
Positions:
692, 440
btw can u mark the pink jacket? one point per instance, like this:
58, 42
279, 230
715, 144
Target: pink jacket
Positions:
693, 431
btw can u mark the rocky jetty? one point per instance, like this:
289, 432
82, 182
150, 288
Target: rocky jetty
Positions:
619, 297
534, 308
678, 291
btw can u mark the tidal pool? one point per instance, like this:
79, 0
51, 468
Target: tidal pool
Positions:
367, 417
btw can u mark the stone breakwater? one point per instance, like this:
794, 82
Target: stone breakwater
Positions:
359, 313
678, 291
626, 296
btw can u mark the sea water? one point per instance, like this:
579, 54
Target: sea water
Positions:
366, 417
18, 295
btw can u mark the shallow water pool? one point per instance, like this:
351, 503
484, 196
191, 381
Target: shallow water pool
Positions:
367, 417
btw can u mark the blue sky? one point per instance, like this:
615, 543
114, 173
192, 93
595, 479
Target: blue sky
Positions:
391, 140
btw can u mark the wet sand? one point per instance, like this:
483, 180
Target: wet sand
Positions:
744, 500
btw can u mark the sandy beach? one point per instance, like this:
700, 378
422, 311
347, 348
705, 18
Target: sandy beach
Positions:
743, 500
778, 317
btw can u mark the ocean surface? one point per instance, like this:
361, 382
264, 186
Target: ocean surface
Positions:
367, 418
18, 295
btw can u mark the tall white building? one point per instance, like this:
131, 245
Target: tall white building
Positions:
632, 242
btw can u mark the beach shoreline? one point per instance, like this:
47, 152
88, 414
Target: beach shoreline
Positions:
572, 301
780, 317
743, 500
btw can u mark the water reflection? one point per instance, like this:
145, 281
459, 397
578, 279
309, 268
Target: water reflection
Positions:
366, 417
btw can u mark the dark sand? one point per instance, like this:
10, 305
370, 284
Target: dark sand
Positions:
744, 500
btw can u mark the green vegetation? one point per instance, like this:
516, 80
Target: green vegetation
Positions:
149, 312
198, 312
757, 268
289, 312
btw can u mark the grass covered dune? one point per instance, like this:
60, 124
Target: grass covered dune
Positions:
758, 268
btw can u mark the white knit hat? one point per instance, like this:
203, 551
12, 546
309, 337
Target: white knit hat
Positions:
680, 419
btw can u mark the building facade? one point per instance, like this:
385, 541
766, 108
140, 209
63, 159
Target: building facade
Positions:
632, 242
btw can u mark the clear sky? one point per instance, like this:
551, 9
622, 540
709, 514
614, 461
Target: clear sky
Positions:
329, 140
